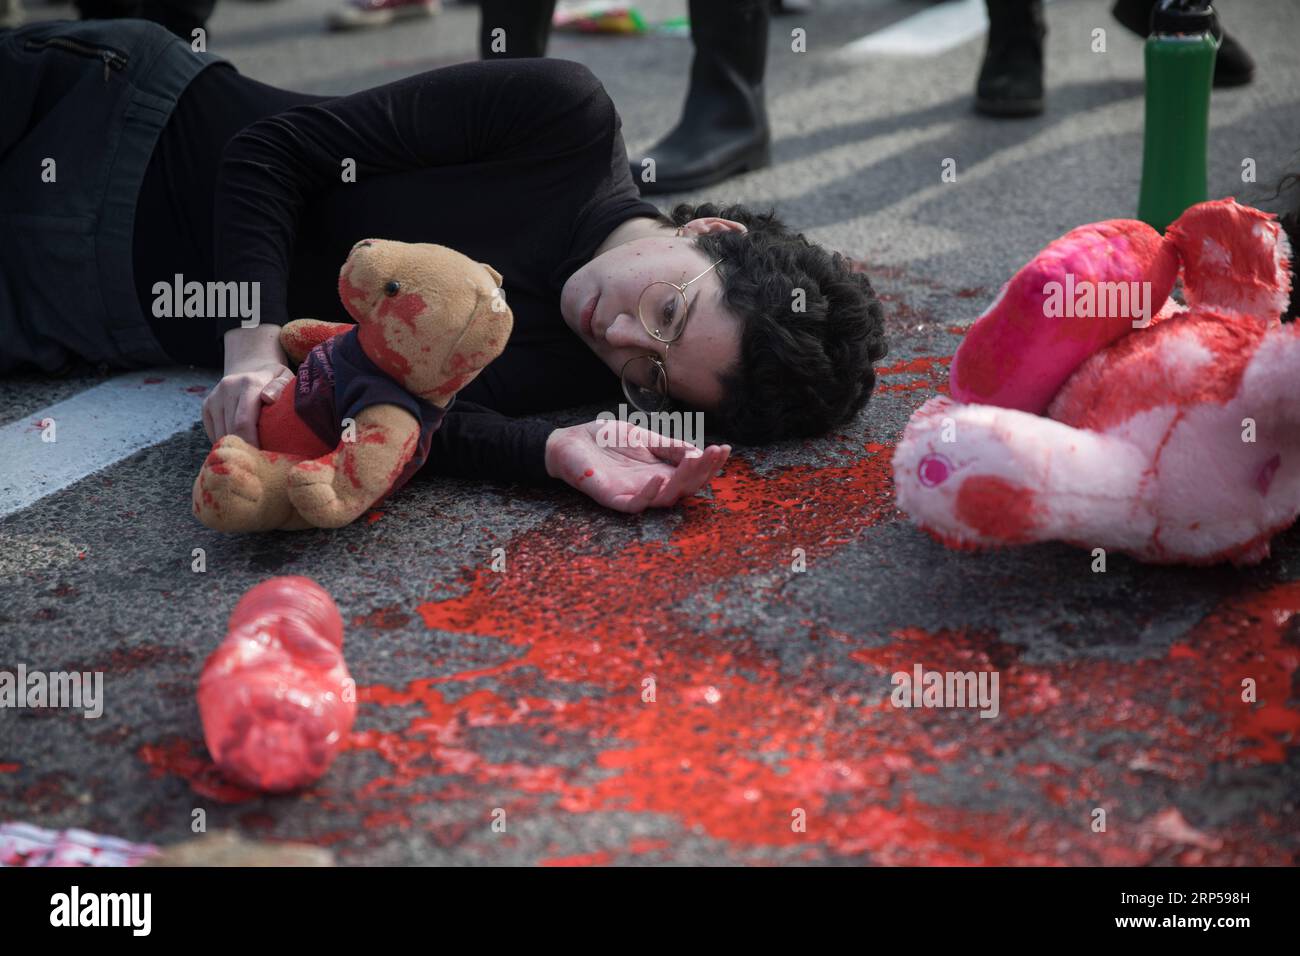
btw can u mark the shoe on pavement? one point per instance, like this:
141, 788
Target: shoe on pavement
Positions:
723, 128
1233, 66
1011, 77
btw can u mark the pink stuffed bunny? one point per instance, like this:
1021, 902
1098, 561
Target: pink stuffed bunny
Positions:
1090, 407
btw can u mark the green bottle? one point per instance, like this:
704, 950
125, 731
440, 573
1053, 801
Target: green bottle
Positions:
1179, 55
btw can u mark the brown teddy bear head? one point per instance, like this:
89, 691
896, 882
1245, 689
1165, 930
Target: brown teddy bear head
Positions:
427, 315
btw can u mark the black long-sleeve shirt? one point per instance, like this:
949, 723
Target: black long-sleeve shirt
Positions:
516, 163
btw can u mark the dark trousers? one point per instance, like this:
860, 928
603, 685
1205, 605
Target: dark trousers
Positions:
525, 26
82, 108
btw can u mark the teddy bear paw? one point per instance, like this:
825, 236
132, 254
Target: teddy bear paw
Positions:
229, 494
313, 490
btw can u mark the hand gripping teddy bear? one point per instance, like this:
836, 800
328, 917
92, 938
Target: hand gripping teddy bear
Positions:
1088, 406
357, 422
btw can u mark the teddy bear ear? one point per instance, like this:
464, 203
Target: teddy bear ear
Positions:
496, 276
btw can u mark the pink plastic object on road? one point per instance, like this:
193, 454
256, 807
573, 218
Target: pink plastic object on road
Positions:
276, 698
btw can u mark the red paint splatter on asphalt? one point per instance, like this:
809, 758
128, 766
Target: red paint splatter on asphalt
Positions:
130, 658
383, 619
179, 757
921, 365
49, 794
733, 746
931, 373
738, 739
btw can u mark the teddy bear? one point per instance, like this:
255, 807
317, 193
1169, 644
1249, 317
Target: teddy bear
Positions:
357, 421
1089, 406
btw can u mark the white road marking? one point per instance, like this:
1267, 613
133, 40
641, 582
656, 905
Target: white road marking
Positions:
928, 33
95, 429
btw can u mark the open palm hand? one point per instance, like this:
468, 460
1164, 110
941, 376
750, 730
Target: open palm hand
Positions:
628, 468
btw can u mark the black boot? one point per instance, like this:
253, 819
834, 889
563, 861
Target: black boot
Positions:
1011, 76
1233, 66
527, 26
723, 128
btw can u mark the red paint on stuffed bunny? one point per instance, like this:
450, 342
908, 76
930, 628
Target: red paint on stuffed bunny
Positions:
1178, 442
1234, 258
1190, 359
997, 508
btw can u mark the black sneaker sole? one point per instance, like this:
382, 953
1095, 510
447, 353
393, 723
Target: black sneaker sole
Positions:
748, 161
1009, 108
1222, 80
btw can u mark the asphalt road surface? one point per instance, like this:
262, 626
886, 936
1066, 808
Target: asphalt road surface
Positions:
522, 691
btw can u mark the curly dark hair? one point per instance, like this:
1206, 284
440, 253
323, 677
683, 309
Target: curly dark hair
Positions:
1290, 222
800, 373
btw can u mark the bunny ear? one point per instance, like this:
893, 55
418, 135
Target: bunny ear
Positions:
1235, 258
496, 276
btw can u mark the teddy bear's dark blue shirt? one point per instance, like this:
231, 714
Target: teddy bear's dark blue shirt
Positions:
337, 381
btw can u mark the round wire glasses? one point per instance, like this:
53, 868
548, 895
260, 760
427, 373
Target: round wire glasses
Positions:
663, 311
